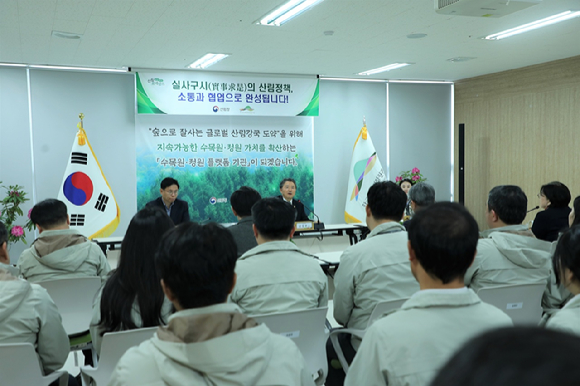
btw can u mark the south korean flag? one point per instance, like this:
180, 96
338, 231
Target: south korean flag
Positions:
92, 208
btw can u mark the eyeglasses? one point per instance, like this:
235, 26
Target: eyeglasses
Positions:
172, 192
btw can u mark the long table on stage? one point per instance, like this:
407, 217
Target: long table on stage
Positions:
353, 231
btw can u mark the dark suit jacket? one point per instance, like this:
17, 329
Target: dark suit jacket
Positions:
243, 235
179, 210
299, 209
548, 223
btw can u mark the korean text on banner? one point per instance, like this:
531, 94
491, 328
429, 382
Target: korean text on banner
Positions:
365, 169
203, 93
92, 208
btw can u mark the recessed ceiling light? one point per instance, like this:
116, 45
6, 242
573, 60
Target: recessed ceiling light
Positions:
385, 68
12, 65
460, 59
287, 11
416, 36
207, 60
48, 67
534, 25
66, 35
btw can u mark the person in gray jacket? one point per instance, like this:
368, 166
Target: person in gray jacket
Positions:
408, 346
509, 253
276, 276
59, 252
374, 270
4, 257
207, 341
242, 201
566, 262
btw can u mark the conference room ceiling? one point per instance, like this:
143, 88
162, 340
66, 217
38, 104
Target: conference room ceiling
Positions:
166, 34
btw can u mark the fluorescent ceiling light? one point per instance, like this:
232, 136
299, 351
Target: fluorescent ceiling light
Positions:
354, 79
207, 60
385, 68
42, 66
534, 25
420, 81
287, 11
12, 64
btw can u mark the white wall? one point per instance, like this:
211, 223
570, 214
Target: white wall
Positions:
420, 133
342, 107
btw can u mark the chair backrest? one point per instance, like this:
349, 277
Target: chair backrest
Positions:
74, 300
385, 307
522, 302
306, 329
19, 365
113, 346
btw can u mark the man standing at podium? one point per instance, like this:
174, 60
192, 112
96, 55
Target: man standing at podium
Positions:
288, 191
177, 209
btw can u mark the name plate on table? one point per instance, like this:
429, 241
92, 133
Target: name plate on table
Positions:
304, 225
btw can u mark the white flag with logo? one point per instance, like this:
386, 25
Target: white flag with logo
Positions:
365, 169
92, 208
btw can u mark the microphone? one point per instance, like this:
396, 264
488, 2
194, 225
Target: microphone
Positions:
319, 225
535, 208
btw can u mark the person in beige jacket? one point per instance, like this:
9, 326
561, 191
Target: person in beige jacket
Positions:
207, 341
276, 276
59, 252
408, 346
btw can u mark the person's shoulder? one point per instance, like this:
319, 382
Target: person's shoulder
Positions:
137, 367
155, 202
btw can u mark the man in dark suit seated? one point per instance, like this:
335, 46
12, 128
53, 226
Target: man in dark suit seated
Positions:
288, 191
242, 201
177, 209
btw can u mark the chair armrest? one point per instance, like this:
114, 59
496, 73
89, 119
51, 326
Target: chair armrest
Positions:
334, 340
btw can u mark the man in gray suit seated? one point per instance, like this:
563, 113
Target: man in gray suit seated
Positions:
242, 201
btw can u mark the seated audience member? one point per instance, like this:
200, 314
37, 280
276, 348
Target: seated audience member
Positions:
509, 253
408, 346
4, 257
288, 191
374, 270
177, 209
276, 276
566, 262
572, 218
132, 296
554, 199
526, 356
242, 201
421, 196
28, 315
59, 252
406, 184
207, 341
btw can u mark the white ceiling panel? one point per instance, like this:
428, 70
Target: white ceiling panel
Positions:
367, 34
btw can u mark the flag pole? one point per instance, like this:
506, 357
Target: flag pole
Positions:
81, 116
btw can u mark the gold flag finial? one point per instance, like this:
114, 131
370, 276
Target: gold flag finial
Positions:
364, 128
81, 136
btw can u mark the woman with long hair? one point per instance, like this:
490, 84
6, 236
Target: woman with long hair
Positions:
132, 296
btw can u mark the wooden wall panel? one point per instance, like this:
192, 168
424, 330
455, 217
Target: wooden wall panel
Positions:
522, 127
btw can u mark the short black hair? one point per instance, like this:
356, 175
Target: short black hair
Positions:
197, 262
3, 233
567, 254
444, 237
49, 213
386, 200
406, 180
509, 202
423, 194
168, 181
558, 194
274, 218
576, 207
243, 199
287, 180
530, 356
